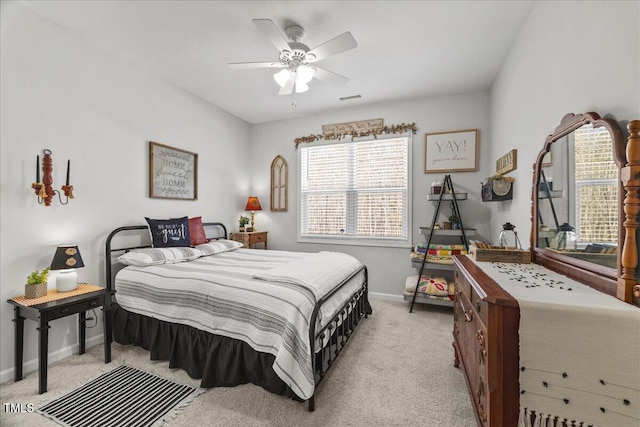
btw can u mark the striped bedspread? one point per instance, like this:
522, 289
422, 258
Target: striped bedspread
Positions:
221, 294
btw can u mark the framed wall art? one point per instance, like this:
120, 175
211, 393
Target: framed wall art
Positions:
507, 163
455, 151
173, 173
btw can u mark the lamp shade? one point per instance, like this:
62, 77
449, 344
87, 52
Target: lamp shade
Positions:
304, 74
66, 257
253, 204
282, 77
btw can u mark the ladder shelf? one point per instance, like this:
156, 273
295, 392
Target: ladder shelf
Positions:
447, 193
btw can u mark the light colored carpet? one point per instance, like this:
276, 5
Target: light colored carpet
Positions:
396, 370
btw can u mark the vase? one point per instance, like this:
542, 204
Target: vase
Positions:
35, 291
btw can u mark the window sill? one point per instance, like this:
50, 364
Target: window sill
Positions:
388, 243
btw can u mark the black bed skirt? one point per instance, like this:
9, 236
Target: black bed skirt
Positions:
218, 361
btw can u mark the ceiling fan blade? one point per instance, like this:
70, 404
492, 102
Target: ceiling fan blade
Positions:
273, 34
342, 43
287, 89
248, 65
329, 77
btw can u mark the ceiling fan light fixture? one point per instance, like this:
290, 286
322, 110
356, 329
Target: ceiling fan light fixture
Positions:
282, 77
304, 74
301, 87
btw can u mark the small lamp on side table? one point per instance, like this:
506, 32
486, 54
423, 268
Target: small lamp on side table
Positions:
253, 204
66, 259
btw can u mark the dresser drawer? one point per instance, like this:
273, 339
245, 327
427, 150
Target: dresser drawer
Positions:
465, 328
462, 282
479, 304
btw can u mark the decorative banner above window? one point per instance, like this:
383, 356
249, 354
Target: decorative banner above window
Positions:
356, 134
507, 163
350, 127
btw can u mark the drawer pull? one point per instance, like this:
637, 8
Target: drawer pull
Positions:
468, 316
93, 303
64, 310
480, 390
482, 349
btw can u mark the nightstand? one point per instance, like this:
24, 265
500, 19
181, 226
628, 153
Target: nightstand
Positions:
250, 238
56, 309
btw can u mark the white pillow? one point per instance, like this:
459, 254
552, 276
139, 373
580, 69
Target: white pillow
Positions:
219, 246
156, 256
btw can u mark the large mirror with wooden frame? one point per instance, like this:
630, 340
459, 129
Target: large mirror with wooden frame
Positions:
582, 187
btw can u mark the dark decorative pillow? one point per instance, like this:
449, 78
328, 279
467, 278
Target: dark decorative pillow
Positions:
167, 233
196, 231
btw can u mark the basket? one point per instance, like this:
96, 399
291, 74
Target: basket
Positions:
35, 291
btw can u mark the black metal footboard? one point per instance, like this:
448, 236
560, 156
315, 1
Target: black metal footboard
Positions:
338, 330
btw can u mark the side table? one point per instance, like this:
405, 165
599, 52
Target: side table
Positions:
45, 312
250, 238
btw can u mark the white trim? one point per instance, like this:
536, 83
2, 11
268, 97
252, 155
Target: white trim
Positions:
32, 365
354, 241
387, 297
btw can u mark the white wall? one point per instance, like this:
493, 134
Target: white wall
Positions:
87, 105
388, 267
571, 57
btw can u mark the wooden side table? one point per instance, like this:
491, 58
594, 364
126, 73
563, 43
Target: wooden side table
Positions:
250, 238
43, 313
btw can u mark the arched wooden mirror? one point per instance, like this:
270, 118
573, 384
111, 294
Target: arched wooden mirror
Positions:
279, 184
577, 212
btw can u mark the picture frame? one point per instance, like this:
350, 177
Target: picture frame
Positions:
453, 151
507, 163
173, 173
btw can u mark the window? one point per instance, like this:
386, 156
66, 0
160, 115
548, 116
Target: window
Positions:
355, 192
596, 178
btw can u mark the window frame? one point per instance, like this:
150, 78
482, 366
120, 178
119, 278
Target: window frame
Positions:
575, 184
360, 240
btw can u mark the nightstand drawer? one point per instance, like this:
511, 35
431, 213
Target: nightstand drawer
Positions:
75, 308
258, 238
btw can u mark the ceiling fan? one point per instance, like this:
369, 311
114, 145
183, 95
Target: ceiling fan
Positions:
296, 59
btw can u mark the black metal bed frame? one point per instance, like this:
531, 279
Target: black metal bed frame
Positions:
338, 330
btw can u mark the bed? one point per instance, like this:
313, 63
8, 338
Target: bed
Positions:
229, 315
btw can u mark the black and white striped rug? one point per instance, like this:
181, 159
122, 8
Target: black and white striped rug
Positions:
123, 397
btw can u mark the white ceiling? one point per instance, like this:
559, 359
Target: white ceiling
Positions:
406, 49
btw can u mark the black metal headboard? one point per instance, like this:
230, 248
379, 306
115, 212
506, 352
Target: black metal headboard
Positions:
109, 250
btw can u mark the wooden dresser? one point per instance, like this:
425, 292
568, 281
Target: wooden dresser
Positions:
485, 340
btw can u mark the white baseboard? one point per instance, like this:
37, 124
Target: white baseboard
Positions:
390, 297
32, 365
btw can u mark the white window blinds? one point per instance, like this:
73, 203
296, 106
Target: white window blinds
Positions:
355, 190
596, 178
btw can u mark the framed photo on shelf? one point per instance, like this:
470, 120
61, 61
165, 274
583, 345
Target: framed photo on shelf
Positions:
173, 173
455, 151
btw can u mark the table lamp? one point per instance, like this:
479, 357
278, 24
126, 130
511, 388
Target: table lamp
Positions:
253, 204
66, 259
